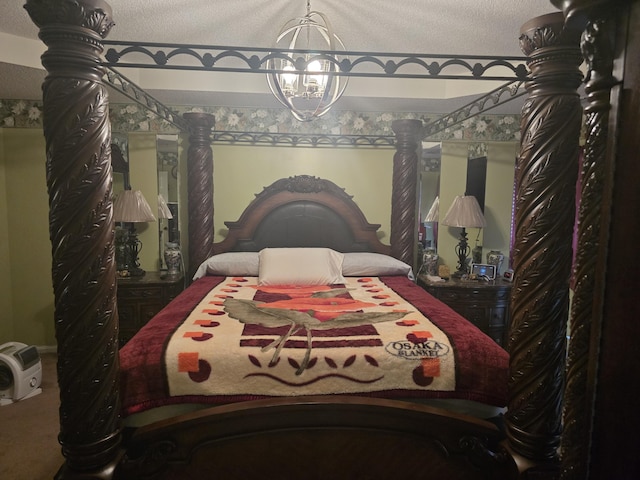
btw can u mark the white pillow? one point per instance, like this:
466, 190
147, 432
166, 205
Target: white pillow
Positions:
300, 266
242, 264
364, 264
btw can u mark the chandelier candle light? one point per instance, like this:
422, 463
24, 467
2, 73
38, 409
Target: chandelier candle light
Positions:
307, 84
465, 213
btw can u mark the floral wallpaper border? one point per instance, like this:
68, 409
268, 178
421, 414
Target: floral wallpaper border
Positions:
135, 118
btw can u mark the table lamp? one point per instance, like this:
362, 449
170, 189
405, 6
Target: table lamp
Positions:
464, 213
130, 207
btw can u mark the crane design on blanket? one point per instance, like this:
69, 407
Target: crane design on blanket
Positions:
320, 311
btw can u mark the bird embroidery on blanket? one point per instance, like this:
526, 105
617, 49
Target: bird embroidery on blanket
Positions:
319, 311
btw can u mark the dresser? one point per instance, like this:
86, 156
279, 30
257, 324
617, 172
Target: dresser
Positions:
485, 304
140, 298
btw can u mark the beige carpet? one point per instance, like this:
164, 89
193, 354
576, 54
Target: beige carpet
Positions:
29, 448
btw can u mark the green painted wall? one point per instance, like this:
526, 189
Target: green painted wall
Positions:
25, 214
6, 303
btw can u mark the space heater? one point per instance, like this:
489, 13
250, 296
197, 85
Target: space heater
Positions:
20, 372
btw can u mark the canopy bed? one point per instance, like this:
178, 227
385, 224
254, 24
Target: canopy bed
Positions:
350, 436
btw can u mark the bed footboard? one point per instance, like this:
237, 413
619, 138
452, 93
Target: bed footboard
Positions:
318, 437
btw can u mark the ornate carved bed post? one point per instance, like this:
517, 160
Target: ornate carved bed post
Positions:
546, 173
404, 194
200, 186
593, 232
79, 181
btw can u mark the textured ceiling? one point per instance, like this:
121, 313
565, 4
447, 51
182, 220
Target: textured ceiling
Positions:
460, 27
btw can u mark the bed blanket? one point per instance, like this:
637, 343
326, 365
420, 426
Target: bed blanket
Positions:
226, 339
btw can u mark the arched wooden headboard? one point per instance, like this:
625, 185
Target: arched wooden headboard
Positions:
302, 211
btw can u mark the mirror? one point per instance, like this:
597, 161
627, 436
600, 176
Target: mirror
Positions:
477, 179
168, 200
121, 182
482, 169
119, 162
429, 177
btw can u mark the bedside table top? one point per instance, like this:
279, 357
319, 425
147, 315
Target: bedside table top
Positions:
151, 278
456, 282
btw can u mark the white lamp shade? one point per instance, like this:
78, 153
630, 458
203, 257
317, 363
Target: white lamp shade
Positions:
464, 212
163, 208
131, 206
434, 212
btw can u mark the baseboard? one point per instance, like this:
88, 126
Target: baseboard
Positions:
47, 349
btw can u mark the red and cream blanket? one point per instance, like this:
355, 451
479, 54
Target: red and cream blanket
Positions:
228, 339
362, 336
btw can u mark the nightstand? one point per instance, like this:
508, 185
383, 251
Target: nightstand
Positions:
140, 298
485, 304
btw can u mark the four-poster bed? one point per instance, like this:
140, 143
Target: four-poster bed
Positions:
370, 438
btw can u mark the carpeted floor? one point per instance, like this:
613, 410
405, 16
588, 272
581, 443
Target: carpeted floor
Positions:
29, 431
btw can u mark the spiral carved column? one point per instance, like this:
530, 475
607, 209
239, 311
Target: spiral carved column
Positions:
587, 300
79, 181
200, 185
404, 194
546, 173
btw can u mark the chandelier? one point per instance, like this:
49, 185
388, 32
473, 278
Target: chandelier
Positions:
307, 84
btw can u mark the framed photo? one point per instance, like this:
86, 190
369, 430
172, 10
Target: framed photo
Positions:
484, 270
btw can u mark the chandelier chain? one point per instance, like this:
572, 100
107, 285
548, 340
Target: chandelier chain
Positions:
307, 24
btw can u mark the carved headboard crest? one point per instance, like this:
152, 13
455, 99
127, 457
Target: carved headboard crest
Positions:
304, 184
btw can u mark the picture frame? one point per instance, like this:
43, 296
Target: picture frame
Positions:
483, 270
